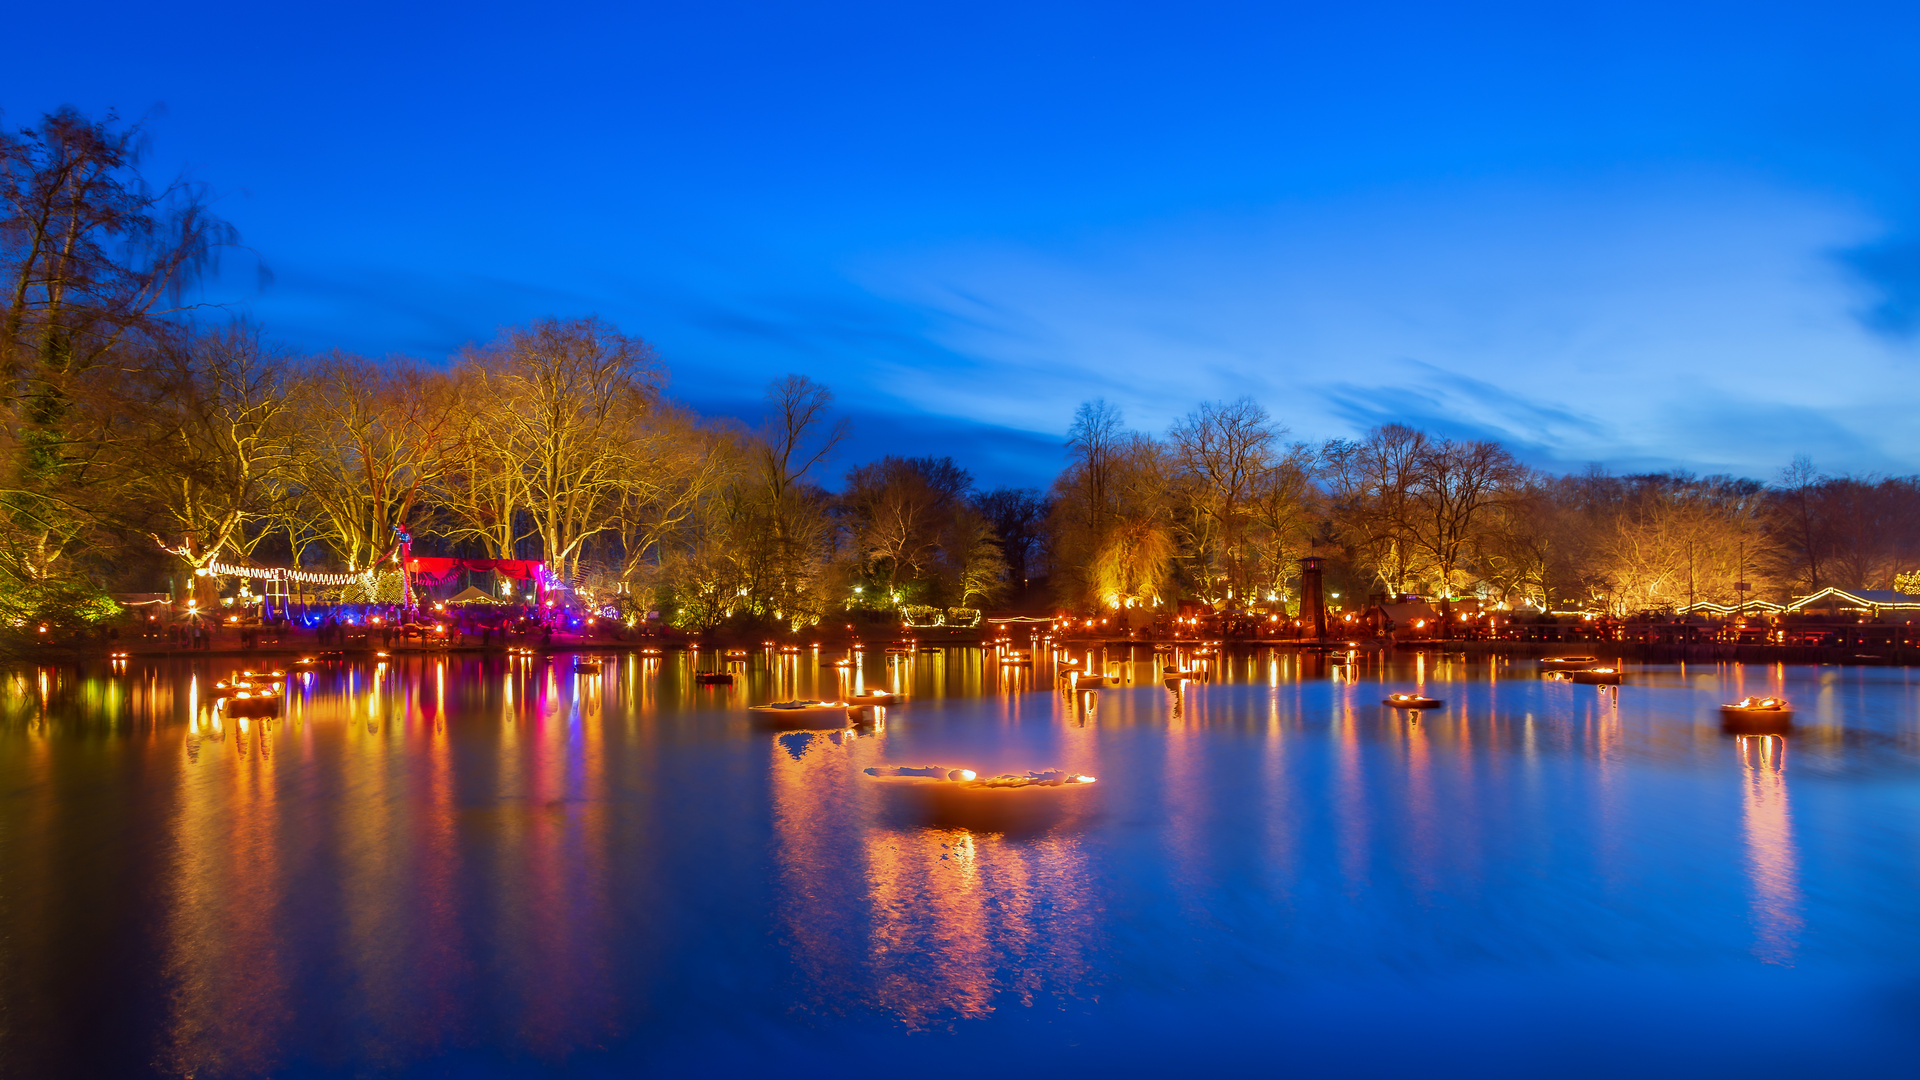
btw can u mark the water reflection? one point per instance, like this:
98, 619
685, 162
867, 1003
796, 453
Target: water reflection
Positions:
942, 924
962, 920
434, 855
1772, 862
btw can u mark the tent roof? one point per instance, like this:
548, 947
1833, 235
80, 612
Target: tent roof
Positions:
1403, 613
472, 595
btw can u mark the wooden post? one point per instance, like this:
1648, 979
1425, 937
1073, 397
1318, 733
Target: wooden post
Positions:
1313, 605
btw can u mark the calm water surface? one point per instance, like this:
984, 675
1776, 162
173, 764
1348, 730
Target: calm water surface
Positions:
483, 867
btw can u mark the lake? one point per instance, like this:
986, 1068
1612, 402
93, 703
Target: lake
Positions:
484, 866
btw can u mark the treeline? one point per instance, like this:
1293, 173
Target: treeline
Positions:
1221, 509
553, 442
146, 439
143, 444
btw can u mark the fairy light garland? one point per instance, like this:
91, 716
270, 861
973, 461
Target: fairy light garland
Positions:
312, 577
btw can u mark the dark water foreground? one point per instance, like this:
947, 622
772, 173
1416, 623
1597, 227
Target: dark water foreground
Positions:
485, 868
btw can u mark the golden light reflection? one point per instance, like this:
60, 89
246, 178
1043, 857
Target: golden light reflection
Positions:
1350, 801
813, 776
1422, 823
963, 919
455, 830
1772, 860
927, 925
224, 894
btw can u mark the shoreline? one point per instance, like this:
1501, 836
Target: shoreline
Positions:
1641, 652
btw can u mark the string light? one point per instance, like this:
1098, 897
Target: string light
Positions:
315, 577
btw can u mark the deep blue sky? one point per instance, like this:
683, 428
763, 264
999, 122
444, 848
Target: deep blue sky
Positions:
1648, 236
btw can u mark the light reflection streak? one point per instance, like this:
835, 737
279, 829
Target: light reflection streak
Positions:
962, 919
1422, 824
1772, 860
1350, 800
454, 848
937, 924
223, 902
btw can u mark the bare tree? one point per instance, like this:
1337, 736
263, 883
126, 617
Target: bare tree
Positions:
1457, 486
1226, 452
1370, 499
481, 493
91, 253
796, 438
92, 261
912, 529
1018, 518
1285, 512
215, 455
369, 440
567, 401
680, 467
1096, 439
1797, 521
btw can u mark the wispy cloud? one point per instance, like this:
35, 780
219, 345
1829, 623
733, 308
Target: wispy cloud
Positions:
1890, 269
1462, 406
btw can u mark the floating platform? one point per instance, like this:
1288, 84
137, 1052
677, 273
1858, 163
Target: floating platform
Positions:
246, 703
1013, 802
803, 715
1412, 701
1757, 716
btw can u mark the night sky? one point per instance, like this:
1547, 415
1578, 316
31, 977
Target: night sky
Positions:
1649, 236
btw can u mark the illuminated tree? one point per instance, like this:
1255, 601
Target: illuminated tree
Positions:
93, 262
1225, 453
1133, 563
794, 538
1457, 491
680, 467
369, 442
1112, 506
1370, 487
565, 405
1286, 515
902, 517
214, 451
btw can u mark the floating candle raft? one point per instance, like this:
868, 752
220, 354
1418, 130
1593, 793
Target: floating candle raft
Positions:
804, 715
1076, 679
1757, 715
1600, 676
1568, 663
1010, 802
1051, 778
1412, 701
261, 701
